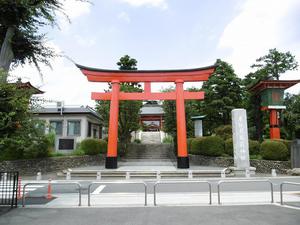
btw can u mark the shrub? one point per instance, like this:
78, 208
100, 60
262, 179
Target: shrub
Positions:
138, 141
56, 154
273, 150
224, 131
195, 145
78, 152
229, 147
93, 146
189, 143
287, 143
168, 140
209, 146
254, 147
297, 132
51, 139
38, 148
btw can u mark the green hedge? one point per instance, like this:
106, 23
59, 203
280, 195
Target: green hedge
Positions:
229, 147
189, 143
287, 143
195, 145
38, 149
254, 147
224, 131
274, 150
209, 146
297, 132
93, 146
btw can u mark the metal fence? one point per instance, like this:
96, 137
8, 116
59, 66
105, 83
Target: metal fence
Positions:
244, 181
120, 183
180, 182
53, 183
281, 189
9, 189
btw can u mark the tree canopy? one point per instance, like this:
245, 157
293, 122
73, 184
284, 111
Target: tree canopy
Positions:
128, 110
271, 66
291, 116
20, 37
223, 92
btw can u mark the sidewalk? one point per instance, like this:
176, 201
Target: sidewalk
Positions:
214, 215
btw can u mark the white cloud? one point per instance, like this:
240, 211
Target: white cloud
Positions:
162, 4
75, 8
124, 16
85, 41
258, 27
64, 83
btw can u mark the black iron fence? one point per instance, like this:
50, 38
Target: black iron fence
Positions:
9, 189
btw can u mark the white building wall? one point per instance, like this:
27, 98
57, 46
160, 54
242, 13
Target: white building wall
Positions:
84, 119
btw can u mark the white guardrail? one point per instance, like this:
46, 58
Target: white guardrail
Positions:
281, 189
180, 182
244, 181
117, 182
53, 183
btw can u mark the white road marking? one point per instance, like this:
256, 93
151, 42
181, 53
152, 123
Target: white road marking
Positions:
98, 189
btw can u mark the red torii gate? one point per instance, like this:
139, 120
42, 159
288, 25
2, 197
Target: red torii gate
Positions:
147, 76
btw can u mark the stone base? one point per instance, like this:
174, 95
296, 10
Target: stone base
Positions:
183, 162
111, 163
294, 172
242, 171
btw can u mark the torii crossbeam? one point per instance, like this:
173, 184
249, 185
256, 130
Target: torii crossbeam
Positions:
147, 76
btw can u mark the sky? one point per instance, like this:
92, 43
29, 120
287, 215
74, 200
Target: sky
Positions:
162, 34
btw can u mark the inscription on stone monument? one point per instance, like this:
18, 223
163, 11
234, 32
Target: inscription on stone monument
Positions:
240, 138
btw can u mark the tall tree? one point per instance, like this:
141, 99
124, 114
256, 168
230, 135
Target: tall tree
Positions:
20, 135
128, 110
20, 39
274, 64
223, 92
291, 116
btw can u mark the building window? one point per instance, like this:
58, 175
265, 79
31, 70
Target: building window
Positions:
56, 126
74, 128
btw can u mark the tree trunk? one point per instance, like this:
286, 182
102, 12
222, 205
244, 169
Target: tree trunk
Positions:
6, 54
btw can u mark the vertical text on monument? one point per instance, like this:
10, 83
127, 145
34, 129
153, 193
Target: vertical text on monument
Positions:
240, 138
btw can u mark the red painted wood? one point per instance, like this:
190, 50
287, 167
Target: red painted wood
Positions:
181, 124
112, 147
149, 96
147, 88
137, 76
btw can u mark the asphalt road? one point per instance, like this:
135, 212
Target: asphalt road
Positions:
191, 187
214, 215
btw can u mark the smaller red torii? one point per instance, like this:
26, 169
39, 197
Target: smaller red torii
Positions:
115, 77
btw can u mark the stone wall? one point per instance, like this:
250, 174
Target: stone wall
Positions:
262, 166
53, 164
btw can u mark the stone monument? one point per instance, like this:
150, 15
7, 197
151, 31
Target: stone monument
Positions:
240, 142
295, 153
198, 125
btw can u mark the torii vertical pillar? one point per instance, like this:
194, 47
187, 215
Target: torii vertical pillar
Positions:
183, 158
112, 148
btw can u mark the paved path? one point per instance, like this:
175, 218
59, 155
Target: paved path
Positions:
225, 215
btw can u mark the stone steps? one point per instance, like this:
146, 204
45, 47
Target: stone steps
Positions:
150, 138
148, 151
